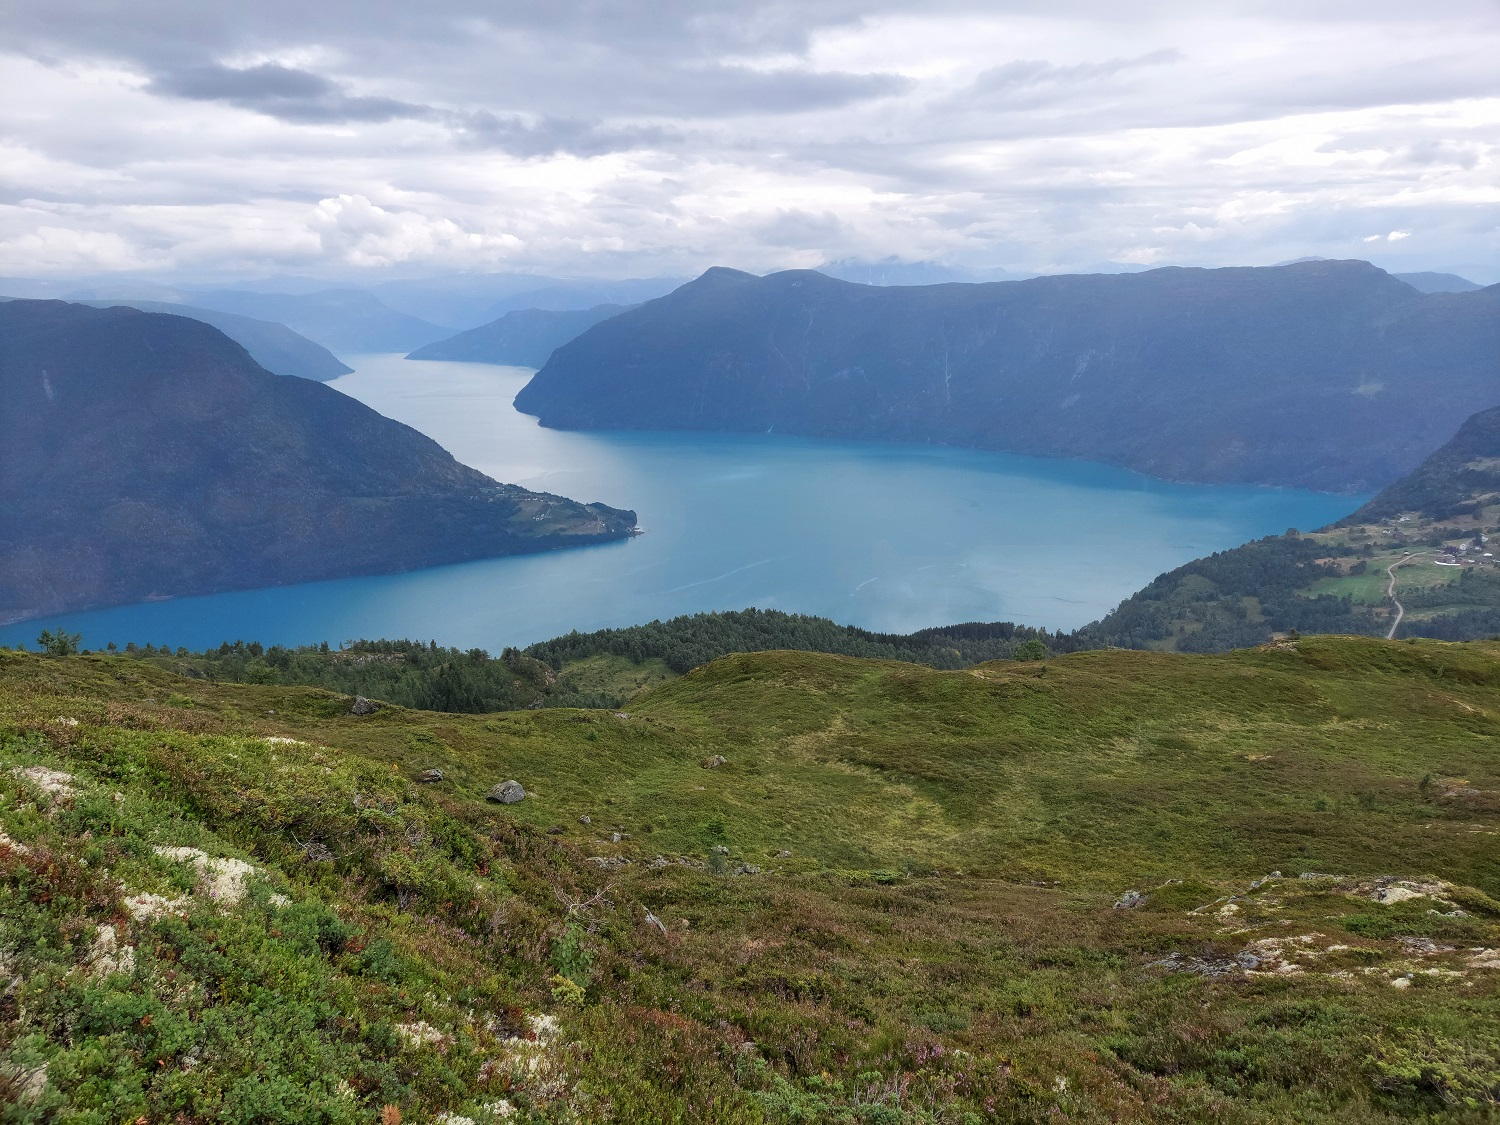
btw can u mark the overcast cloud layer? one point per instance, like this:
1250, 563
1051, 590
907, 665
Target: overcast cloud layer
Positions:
657, 137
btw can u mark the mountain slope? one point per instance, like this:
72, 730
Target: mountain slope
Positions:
524, 338
274, 346
1426, 536
148, 455
346, 320
1136, 888
1317, 374
1438, 282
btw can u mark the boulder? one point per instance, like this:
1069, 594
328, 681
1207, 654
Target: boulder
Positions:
1129, 900
430, 775
714, 762
506, 793
363, 706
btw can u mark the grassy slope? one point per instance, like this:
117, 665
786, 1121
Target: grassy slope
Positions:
939, 941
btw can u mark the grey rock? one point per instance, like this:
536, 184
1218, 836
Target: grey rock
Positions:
1129, 900
506, 793
719, 849
363, 706
585, 819
431, 775
747, 869
714, 762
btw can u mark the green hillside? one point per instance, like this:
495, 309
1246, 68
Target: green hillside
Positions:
903, 895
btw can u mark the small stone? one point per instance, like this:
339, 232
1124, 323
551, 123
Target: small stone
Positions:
430, 775
585, 819
747, 869
719, 849
714, 762
363, 706
1129, 900
616, 837
783, 854
506, 793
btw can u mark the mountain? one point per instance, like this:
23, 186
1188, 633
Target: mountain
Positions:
897, 271
524, 338
785, 888
274, 346
1427, 537
349, 321
562, 296
146, 455
1329, 375
1438, 282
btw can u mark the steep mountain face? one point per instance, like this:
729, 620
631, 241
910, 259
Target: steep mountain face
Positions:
524, 338
147, 455
1317, 374
347, 320
274, 346
1425, 538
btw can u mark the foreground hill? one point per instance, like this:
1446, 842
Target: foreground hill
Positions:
784, 888
1330, 375
274, 346
524, 338
1427, 537
146, 455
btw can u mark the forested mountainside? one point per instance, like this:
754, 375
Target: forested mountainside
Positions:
1427, 539
524, 338
274, 346
1323, 374
785, 888
146, 455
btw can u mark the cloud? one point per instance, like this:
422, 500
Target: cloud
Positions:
282, 92
635, 138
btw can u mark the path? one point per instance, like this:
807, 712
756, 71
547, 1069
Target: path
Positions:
1390, 592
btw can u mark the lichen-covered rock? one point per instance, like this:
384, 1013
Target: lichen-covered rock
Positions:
363, 706
506, 793
430, 775
713, 762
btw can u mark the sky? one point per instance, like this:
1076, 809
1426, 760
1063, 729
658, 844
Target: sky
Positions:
379, 138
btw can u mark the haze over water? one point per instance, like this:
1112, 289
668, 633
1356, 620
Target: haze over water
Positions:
889, 537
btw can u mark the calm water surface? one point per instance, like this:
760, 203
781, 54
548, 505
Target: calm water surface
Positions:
889, 537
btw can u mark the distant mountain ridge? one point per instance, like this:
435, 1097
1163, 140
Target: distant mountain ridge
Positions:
147, 455
1317, 375
524, 338
1438, 282
346, 320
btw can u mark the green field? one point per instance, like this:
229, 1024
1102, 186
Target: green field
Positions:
893, 901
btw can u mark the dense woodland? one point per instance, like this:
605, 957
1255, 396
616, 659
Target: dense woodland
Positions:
428, 676
686, 642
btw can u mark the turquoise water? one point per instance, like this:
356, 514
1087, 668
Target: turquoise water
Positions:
889, 537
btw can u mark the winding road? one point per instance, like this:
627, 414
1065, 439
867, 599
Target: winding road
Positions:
1390, 592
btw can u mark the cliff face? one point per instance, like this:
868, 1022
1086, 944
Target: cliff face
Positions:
144, 454
1329, 375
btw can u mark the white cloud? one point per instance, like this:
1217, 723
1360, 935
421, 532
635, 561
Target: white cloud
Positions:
622, 139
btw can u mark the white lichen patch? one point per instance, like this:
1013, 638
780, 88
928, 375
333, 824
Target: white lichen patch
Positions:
54, 783
221, 879
67, 721
1484, 959
282, 740
109, 954
453, 1119
14, 845
420, 1034
144, 907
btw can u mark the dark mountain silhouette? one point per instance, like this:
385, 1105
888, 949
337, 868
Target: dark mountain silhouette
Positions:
148, 455
524, 338
1330, 375
274, 346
